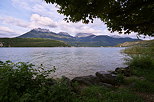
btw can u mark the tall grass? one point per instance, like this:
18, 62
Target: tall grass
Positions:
141, 62
139, 50
102, 94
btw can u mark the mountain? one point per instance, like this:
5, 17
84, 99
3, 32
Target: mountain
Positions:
64, 34
42, 33
81, 39
41, 30
83, 34
102, 40
116, 36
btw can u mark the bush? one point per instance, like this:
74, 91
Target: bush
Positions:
20, 82
141, 61
120, 78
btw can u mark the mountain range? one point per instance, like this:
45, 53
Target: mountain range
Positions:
80, 40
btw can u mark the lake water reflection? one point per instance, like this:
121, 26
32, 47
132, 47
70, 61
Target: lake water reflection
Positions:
69, 61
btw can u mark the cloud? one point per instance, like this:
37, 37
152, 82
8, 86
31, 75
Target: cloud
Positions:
41, 21
35, 21
74, 28
7, 32
38, 7
14, 21
23, 4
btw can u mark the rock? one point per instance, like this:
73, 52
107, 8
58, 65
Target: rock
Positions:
120, 69
106, 77
66, 80
50, 81
86, 80
80, 83
125, 71
108, 85
142, 78
112, 72
132, 85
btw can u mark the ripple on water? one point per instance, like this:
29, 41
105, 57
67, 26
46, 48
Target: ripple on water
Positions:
70, 62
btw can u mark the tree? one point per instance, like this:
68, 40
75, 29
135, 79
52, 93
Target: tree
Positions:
119, 15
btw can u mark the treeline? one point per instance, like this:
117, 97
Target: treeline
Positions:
31, 42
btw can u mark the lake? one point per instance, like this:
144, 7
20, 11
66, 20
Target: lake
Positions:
69, 61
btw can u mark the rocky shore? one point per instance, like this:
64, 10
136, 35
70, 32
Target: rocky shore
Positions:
109, 79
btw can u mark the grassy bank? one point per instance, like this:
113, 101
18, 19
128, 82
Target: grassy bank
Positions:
141, 62
143, 43
31, 42
140, 50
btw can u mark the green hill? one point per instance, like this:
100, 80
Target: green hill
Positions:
143, 43
31, 42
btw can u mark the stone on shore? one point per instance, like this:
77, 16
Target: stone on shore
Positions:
79, 83
86, 80
125, 71
106, 77
101, 78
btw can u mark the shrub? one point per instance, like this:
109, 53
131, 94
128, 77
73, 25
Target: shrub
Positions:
20, 82
120, 78
141, 61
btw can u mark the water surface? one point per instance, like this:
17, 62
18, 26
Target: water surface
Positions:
71, 62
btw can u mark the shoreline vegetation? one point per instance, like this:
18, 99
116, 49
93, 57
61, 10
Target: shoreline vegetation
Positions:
31, 42
19, 82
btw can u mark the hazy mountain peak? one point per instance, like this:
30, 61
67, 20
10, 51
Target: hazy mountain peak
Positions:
83, 34
63, 33
116, 36
41, 30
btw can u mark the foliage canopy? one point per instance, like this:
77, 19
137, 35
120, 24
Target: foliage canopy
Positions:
119, 15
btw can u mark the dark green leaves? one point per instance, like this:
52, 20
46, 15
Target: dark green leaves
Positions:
119, 15
19, 82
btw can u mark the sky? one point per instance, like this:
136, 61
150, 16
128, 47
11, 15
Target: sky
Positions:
20, 16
